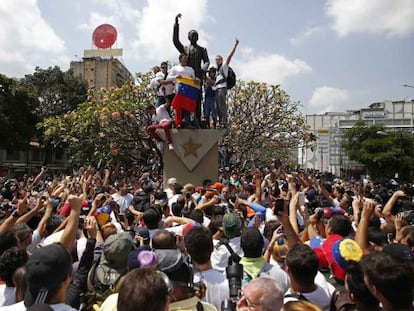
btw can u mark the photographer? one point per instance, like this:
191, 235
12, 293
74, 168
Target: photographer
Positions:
199, 245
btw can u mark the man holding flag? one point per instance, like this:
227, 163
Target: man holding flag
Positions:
187, 92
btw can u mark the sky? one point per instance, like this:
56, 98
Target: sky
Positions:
331, 55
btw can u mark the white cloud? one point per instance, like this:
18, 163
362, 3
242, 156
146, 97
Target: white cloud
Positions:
327, 99
392, 17
308, 33
26, 38
154, 30
270, 68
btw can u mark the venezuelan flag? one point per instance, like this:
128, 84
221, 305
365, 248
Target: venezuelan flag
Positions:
187, 94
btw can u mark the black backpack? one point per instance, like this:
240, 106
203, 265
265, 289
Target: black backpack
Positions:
230, 79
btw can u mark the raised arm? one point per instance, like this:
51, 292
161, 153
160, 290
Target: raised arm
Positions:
228, 60
176, 40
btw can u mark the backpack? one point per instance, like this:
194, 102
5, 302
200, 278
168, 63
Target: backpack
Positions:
97, 292
230, 79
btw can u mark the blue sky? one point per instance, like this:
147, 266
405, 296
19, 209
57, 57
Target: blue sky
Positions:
328, 54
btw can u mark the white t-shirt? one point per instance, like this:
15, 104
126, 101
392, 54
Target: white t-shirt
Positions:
222, 73
217, 286
161, 114
178, 70
169, 88
21, 307
220, 255
6, 295
123, 200
319, 297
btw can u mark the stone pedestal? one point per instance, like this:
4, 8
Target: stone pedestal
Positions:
195, 155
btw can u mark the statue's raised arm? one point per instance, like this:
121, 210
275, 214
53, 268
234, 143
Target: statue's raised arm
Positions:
176, 40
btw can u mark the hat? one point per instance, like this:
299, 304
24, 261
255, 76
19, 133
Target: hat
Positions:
171, 181
190, 226
143, 233
218, 186
113, 262
147, 259
399, 251
133, 260
342, 251
232, 225
198, 189
169, 260
46, 270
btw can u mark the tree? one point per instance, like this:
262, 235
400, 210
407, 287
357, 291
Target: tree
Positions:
264, 124
383, 153
17, 116
58, 92
110, 127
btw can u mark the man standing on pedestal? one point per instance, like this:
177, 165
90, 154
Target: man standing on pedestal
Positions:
196, 55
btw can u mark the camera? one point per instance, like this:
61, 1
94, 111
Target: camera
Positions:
188, 195
234, 274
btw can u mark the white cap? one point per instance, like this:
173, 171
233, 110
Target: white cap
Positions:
172, 181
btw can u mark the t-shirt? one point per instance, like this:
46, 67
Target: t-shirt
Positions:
190, 304
21, 307
161, 114
6, 295
123, 200
220, 255
319, 297
217, 286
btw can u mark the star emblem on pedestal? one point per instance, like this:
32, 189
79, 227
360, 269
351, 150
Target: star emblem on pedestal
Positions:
190, 148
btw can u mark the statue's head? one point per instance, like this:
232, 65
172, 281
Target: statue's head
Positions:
193, 36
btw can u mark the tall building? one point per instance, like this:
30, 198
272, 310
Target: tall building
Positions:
330, 127
101, 72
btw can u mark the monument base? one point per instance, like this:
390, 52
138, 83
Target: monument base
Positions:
194, 157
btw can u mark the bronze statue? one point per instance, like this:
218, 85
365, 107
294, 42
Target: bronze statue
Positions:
196, 55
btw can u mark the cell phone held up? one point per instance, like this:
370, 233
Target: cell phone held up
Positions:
279, 205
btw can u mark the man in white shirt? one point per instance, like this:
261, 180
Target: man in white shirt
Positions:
161, 119
221, 85
199, 244
182, 71
122, 197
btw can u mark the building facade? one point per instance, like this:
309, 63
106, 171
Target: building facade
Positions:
330, 127
101, 72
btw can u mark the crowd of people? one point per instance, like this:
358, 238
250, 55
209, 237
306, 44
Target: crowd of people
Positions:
260, 239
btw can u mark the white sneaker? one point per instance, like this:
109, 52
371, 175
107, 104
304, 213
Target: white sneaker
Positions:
170, 147
159, 145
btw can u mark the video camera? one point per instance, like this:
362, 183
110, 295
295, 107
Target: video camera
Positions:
234, 274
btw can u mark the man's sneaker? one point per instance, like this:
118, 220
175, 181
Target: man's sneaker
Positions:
170, 147
159, 145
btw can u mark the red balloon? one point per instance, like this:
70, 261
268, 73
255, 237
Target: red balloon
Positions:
104, 36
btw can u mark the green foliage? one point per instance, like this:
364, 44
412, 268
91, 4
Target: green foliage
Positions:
383, 153
58, 92
16, 114
264, 124
109, 128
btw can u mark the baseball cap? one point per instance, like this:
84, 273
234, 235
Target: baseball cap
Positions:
232, 225
46, 270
